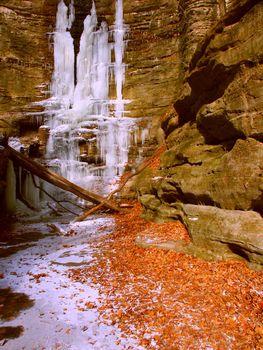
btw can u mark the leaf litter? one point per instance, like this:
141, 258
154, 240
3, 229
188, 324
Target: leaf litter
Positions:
168, 300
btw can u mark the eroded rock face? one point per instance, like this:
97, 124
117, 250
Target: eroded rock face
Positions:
204, 57
26, 60
162, 38
213, 165
151, 56
208, 174
160, 43
238, 113
197, 173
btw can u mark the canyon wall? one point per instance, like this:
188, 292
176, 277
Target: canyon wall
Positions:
194, 69
26, 61
27, 55
210, 176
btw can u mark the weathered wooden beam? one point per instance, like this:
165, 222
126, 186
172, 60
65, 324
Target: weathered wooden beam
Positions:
58, 180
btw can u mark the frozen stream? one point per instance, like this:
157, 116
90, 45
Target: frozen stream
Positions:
58, 318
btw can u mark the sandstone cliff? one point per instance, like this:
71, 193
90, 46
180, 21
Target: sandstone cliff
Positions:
27, 56
26, 61
211, 174
203, 58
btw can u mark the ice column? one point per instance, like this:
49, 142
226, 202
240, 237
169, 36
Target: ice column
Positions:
82, 116
92, 89
62, 86
10, 191
100, 66
114, 141
84, 60
119, 67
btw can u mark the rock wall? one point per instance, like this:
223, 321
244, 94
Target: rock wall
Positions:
25, 55
27, 58
151, 56
211, 174
26, 61
203, 58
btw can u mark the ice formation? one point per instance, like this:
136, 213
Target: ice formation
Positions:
89, 133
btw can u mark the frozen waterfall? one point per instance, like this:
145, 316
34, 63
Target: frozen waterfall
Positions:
89, 134
119, 67
62, 87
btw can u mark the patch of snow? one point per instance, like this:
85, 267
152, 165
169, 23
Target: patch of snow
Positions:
193, 219
15, 143
59, 318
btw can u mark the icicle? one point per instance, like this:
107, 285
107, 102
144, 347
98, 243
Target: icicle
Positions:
29, 191
119, 67
83, 88
85, 107
100, 64
62, 86
71, 17
10, 191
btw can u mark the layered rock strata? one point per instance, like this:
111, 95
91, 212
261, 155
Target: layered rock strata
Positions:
27, 56
26, 60
202, 56
211, 174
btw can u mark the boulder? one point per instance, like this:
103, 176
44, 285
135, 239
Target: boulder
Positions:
225, 233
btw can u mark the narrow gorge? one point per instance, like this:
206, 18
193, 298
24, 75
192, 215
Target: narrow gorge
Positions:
192, 73
156, 110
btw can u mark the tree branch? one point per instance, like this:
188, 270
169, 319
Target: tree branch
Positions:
128, 176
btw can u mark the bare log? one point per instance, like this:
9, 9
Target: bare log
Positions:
87, 213
58, 180
126, 178
53, 198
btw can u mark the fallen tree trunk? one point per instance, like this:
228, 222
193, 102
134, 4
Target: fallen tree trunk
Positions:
58, 180
126, 178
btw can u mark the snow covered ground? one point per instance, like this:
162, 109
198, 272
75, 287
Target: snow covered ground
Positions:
63, 316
